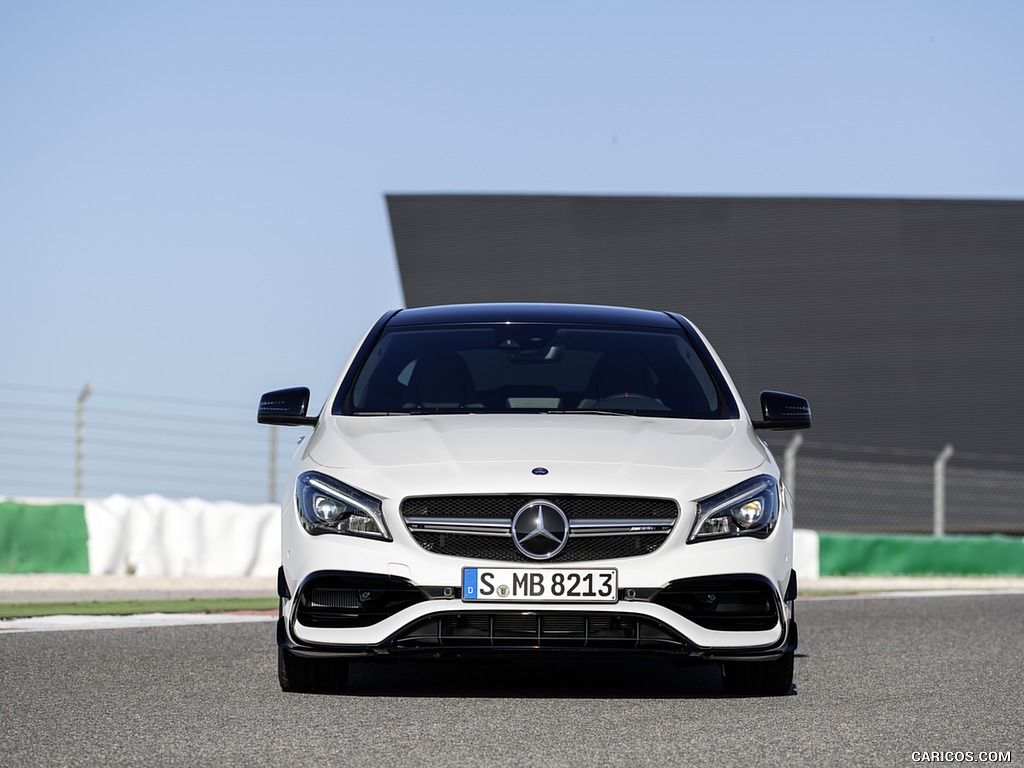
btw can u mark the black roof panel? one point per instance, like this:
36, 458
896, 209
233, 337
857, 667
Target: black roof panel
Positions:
532, 313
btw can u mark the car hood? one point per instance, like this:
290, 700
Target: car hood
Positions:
390, 442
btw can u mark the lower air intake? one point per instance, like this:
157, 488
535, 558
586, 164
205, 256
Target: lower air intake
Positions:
539, 630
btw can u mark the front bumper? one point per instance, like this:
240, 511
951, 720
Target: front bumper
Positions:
361, 615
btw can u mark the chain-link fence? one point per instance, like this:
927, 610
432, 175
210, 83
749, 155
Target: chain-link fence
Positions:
885, 490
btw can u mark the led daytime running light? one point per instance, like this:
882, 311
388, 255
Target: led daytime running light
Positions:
750, 508
326, 505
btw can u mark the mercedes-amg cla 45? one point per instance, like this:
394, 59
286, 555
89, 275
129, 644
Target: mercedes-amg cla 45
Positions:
519, 479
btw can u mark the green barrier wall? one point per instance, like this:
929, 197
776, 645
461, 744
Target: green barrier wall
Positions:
844, 554
54, 539
43, 539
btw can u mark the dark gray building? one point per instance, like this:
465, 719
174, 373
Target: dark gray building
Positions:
900, 320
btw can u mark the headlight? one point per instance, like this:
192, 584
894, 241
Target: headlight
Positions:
327, 505
748, 509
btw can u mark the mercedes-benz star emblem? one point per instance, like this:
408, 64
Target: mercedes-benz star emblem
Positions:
540, 530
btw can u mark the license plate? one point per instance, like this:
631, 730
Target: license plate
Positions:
564, 585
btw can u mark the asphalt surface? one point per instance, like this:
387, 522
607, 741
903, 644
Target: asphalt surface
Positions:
876, 681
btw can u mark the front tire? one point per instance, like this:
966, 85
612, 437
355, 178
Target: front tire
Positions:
298, 674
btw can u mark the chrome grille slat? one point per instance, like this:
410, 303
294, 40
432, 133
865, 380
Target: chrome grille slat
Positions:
620, 527
486, 527
462, 525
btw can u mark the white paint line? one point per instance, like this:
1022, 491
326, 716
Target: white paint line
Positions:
914, 593
135, 621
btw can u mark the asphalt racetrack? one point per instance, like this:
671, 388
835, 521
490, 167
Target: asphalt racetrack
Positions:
878, 682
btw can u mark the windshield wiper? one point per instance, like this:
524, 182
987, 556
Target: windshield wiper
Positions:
418, 412
592, 411
443, 411
448, 411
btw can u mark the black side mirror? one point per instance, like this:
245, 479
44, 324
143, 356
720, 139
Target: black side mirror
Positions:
783, 411
286, 407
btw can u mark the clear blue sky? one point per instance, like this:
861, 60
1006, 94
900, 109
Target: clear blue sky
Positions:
192, 193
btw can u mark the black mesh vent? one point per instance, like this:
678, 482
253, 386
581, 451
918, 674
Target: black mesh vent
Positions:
326, 597
737, 604
354, 600
590, 507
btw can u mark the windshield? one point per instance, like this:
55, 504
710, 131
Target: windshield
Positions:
514, 368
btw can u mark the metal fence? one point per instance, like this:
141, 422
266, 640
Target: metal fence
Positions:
60, 442
90, 443
886, 490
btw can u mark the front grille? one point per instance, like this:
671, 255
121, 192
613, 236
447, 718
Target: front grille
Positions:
655, 517
554, 630
506, 506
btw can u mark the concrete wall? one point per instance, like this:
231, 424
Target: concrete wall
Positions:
898, 319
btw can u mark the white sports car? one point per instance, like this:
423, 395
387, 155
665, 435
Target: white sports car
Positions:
521, 479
